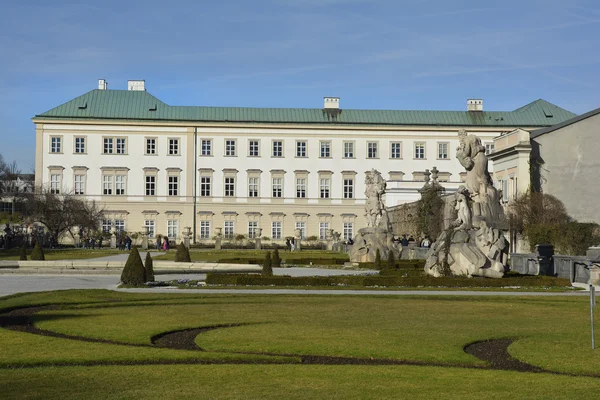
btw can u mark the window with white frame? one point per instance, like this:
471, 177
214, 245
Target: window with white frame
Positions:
55, 144
325, 149
228, 229
172, 228
278, 187
301, 225
150, 146
325, 187
80, 145
419, 150
150, 225
121, 145
301, 148
396, 150
150, 185
276, 230
489, 148
120, 182
348, 149
173, 147
372, 150
108, 145
323, 228
106, 225
55, 183
206, 147
443, 151
204, 229
120, 225
229, 186
79, 184
301, 188
348, 230
252, 187
277, 148
253, 148
230, 147
252, 229
173, 188
107, 185
205, 186
348, 188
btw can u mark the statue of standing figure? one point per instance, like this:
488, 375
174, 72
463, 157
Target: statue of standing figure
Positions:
375, 206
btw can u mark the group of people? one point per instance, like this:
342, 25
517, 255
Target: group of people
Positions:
124, 242
290, 244
410, 240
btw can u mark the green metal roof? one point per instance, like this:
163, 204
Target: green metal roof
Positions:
142, 106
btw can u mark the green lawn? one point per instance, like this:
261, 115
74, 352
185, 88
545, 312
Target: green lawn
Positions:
549, 332
60, 254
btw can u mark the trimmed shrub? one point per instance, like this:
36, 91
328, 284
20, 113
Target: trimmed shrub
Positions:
276, 259
134, 272
37, 253
149, 268
267, 269
377, 263
23, 255
182, 254
391, 261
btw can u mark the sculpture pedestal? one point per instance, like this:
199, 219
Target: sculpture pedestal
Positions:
145, 242
218, 243
257, 244
369, 240
113, 242
186, 242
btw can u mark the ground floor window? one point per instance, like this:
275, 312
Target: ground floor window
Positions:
172, 228
228, 230
302, 227
276, 230
204, 229
252, 229
106, 224
149, 223
120, 225
348, 230
323, 228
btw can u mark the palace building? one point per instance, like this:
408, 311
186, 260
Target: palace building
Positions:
252, 171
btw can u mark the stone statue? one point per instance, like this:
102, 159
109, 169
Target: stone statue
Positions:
375, 207
377, 235
474, 243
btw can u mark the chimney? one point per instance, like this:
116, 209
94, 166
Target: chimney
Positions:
331, 102
474, 105
102, 84
136, 85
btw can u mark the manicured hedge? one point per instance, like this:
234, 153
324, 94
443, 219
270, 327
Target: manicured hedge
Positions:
383, 281
299, 261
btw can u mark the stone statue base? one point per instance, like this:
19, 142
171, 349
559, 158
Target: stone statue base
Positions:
472, 252
369, 240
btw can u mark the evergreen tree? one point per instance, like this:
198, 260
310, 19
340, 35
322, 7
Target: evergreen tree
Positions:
134, 272
38, 253
267, 268
276, 259
149, 268
391, 261
377, 264
182, 254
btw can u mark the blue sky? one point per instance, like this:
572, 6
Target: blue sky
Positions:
375, 54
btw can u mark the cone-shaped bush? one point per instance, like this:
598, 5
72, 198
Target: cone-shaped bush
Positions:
149, 268
182, 254
23, 256
276, 260
391, 261
377, 263
37, 253
267, 269
134, 272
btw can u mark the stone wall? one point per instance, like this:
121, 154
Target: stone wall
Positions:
404, 217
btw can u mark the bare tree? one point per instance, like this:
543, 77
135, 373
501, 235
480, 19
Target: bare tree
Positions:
60, 213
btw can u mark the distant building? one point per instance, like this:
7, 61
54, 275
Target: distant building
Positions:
561, 160
22, 183
253, 171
